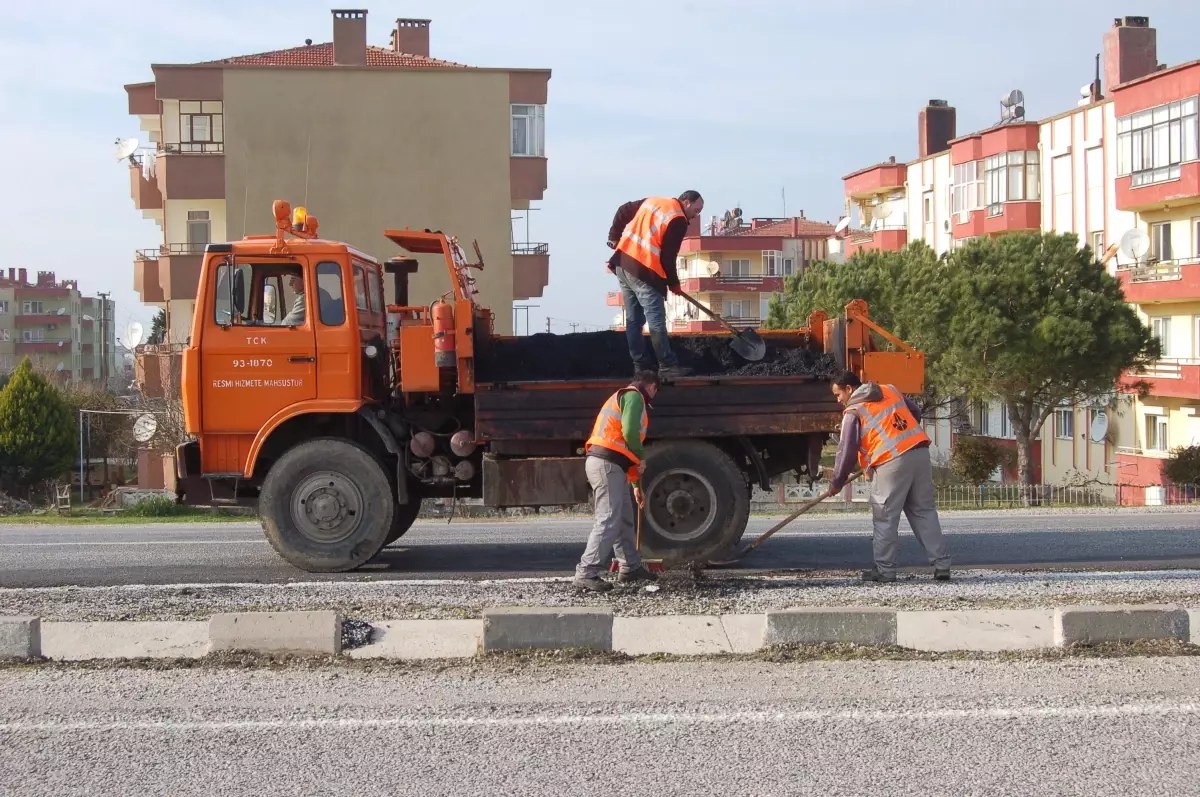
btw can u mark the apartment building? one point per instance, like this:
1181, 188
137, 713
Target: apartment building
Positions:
1121, 161
99, 356
735, 268
48, 321
366, 137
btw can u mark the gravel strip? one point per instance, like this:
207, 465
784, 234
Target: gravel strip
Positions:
679, 593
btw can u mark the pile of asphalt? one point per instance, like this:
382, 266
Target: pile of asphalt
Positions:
605, 355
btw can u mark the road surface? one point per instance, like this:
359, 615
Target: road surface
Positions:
1118, 727
44, 556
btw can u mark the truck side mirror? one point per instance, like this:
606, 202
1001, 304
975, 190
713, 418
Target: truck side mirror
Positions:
239, 291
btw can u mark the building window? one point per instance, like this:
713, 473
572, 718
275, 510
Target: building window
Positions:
199, 230
528, 131
967, 192
1196, 239
3, 307
1152, 144
1160, 241
773, 263
1005, 429
33, 335
1156, 433
789, 263
1064, 423
735, 268
1063, 206
1011, 177
1161, 329
201, 126
1098, 244
739, 308
985, 420
1094, 164
33, 308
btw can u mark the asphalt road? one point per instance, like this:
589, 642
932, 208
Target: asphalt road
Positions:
1096, 727
39, 556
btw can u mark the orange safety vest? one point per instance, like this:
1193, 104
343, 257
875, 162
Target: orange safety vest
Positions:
887, 428
643, 236
607, 432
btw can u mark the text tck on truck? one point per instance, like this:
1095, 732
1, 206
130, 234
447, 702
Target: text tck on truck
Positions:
338, 414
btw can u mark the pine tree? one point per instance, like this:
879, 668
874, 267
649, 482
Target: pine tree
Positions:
37, 433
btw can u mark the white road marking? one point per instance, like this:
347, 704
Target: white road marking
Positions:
542, 720
128, 542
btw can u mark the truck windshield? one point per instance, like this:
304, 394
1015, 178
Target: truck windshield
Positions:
260, 294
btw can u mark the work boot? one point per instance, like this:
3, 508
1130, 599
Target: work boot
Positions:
941, 574
875, 574
593, 584
639, 573
675, 372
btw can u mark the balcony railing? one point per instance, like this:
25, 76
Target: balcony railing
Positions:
193, 148
530, 249
1160, 270
167, 250
1169, 368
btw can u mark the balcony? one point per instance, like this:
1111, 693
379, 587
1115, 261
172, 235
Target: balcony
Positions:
885, 240
531, 270
170, 271
46, 345
1161, 281
1170, 378
42, 319
527, 179
1180, 186
144, 189
157, 369
708, 325
882, 178
189, 174
753, 283
614, 299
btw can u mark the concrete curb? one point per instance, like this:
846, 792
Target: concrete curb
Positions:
526, 628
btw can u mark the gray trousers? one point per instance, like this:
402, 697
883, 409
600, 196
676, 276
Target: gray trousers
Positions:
905, 484
614, 530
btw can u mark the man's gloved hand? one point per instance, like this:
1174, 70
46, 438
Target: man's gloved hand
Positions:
612, 244
676, 289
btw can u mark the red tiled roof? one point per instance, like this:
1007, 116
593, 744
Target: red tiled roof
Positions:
775, 229
315, 55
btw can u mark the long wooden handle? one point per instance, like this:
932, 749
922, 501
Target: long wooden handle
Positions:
807, 506
716, 317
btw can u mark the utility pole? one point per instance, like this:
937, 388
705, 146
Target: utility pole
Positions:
574, 326
547, 324
103, 339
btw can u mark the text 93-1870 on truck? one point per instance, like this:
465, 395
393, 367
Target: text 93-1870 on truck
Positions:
337, 414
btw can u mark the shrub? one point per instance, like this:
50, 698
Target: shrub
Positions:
37, 433
975, 459
1183, 466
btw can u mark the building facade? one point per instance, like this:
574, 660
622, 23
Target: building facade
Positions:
365, 137
51, 323
1119, 161
735, 268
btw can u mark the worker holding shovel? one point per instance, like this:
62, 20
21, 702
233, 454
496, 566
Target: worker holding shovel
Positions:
615, 460
881, 429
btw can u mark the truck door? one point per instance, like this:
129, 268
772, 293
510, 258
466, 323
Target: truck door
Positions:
259, 353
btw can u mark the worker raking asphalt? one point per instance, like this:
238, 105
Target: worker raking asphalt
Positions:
605, 355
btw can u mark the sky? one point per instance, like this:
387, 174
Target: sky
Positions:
746, 102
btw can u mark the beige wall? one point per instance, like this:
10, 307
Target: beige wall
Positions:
420, 148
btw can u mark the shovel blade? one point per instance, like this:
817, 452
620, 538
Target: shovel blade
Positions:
749, 345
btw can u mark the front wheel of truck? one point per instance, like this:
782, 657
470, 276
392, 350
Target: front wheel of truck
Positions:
697, 502
326, 506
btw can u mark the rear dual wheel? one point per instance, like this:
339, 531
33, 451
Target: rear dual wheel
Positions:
327, 506
697, 502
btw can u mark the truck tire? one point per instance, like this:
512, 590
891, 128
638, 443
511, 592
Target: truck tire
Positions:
327, 505
697, 502
403, 517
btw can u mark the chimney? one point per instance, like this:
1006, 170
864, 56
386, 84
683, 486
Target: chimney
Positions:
350, 37
22, 276
12, 275
935, 128
411, 36
1130, 50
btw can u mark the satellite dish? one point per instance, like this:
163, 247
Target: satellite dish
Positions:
1099, 427
1135, 244
62, 311
126, 147
60, 366
842, 226
88, 318
144, 428
884, 211
713, 268
133, 334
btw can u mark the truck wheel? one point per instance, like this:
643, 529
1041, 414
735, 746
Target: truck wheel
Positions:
326, 506
403, 516
697, 502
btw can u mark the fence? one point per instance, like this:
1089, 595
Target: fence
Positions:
999, 496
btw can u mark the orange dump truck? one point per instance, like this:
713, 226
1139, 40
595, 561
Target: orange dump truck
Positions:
336, 414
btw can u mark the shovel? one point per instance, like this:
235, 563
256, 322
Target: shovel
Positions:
747, 343
742, 552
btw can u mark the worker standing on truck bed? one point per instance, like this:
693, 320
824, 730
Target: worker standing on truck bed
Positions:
647, 234
882, 427
614, 460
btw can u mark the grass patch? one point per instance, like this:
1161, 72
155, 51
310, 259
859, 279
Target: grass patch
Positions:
157, 510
